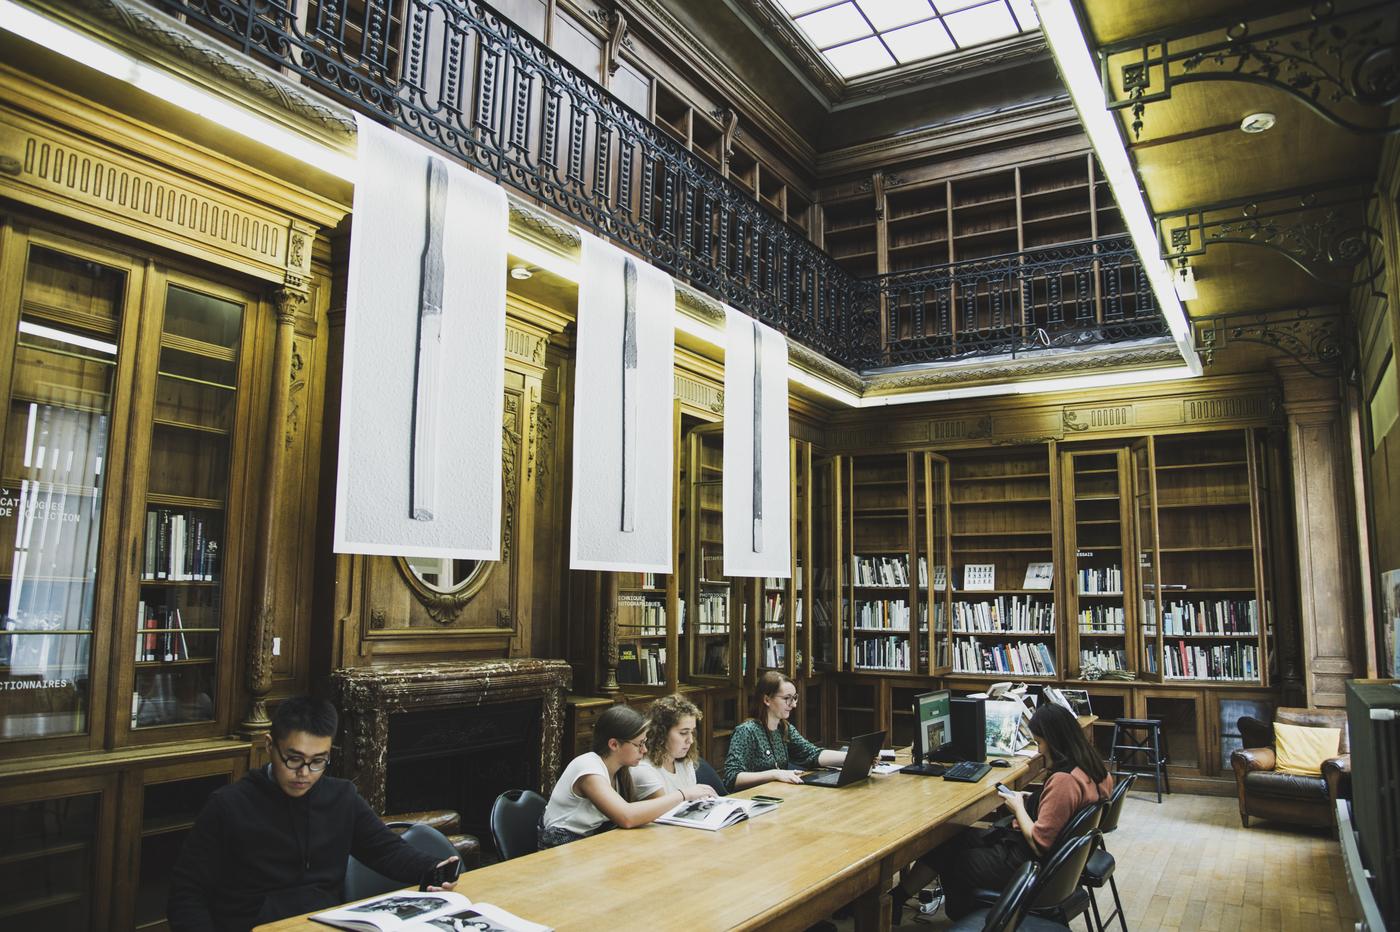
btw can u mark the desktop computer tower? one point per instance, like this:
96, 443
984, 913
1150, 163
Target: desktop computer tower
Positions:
968, 722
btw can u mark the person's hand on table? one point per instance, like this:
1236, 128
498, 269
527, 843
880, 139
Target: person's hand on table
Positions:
785, 776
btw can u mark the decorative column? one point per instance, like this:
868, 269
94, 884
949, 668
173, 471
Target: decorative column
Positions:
1329, 612
1282, 568
609, 584
259, 677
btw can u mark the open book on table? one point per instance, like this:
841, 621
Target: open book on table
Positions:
425, 912
715, 813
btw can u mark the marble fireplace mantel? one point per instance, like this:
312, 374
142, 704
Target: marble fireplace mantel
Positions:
368, 696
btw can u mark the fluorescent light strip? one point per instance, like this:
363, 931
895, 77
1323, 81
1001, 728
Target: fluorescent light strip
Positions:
1068, 383
63, 336
1060, 23
109, 61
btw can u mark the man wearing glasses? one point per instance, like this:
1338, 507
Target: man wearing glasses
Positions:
275, 844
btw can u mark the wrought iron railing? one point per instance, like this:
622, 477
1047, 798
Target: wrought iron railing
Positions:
1075, 294
468, 81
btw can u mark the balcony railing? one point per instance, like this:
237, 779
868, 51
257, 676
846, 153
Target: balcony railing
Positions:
466, 80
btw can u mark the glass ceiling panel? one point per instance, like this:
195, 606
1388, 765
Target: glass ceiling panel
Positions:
860, 37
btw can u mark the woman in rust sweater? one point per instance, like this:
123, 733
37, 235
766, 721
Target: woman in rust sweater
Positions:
987, 859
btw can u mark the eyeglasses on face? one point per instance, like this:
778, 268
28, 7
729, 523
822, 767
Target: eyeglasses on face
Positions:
297, 762
790, 700
638, 743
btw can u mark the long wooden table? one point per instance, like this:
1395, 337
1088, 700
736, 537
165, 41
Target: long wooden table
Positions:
786, 869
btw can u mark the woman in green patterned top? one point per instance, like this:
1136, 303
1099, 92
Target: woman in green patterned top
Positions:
767, 747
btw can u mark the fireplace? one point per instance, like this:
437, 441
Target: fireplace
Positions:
451, 735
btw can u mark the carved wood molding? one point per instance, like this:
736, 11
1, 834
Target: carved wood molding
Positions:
98, 184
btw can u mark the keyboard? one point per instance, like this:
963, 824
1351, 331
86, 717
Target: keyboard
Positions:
966, 771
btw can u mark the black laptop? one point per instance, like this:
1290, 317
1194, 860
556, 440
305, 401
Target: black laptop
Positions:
859, 756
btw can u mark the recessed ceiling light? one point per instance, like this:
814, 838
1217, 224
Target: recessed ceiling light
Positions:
1256, 123
521, 272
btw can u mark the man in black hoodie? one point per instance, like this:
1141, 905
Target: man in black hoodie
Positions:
275, 844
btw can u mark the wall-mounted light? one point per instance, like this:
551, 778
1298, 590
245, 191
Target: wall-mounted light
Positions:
521, 272
1257, 123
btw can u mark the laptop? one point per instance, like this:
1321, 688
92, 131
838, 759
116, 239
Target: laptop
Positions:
859, 757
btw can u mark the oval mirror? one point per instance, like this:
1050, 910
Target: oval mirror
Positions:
442, 575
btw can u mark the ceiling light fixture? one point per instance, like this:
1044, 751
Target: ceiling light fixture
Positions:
1257, 123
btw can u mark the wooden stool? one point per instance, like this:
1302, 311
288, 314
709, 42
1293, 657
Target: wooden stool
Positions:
1137, 748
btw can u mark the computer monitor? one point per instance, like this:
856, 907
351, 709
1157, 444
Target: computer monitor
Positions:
933, 723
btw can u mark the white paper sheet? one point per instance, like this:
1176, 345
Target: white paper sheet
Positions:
622, 485
757, 509
381, 386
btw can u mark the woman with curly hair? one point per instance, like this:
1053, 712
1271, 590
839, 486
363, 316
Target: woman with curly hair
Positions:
672, 749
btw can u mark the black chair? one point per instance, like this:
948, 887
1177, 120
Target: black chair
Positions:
1084, 821
1009, 911
515, 820
362, 882
1059, 895
706, 774
1099, 869
1137, 747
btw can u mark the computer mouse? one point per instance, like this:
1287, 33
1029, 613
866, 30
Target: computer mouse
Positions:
1000, 762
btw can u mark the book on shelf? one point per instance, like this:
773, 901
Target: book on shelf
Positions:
1105, 581
774, 652
1013, 614
717, 812
430, 912
641, 664
179, 547
940, 576
1102, 619
1039, 576
1019, 658
1222, 616
880, 571
979, 577
880, 653
1185, 661
882, 613
1115, 659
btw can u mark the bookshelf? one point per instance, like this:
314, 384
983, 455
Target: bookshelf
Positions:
1208, 621
50, 878
1097, 519
783, 641
1002, 526
826, 591
716, 606
849, 234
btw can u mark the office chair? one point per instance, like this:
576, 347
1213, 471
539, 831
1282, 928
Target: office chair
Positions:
515, 820
706, 774
1099, 869
1009, 911
362, 882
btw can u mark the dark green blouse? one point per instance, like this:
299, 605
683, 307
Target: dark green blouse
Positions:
753, 748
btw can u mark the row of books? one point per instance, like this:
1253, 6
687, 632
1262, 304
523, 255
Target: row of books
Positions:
642, 664
773, 608
1021, 614
163, 634
1108, 581
179, 547
1223, 616
887, 653
1024, 658
712, 613
1216, 662
1102, 619
882, 613
1104, 659
642, 617
775, 582
774, 652
886, 571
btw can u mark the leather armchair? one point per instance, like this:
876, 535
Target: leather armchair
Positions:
448, 822
1266, 794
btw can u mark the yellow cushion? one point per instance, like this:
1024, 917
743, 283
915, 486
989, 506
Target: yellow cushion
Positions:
1301, 750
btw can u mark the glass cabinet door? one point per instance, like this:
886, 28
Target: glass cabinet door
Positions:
51, 877
57, 434
935, 552
1149, 639
178, 637
826, 567
715, 621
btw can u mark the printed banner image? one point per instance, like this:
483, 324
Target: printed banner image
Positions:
423, 381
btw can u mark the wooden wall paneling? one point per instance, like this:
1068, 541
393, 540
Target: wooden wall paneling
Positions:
546, 470
1327, 585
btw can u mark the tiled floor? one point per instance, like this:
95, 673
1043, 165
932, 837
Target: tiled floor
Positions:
1189, 864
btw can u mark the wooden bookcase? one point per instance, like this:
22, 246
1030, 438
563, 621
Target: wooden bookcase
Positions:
782, 638
1097, 543
716, 606
1003, 517
1205, 614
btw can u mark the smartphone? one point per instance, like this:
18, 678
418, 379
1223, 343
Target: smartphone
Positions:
441, 874
768, 799
1005, 790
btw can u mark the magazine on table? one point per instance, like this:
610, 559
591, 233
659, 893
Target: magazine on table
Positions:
425, 912
1007, 730
715, 812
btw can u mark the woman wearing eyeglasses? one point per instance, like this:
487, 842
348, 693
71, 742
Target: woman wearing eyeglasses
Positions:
767, 747
592, 793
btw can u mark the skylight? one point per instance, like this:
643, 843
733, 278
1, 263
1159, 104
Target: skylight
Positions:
860, 37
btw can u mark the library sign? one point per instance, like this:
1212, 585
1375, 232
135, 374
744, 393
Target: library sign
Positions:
47, 509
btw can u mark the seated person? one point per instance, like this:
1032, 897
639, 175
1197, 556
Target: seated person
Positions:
767, 746
593, 792
276, 843
672, 752
988, 858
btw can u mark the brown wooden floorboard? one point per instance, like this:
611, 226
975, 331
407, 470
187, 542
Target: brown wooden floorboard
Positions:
1188, 864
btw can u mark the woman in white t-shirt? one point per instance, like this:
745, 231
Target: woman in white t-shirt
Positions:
593, 792
672, 752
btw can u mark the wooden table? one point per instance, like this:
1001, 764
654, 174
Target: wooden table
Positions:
786, 869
